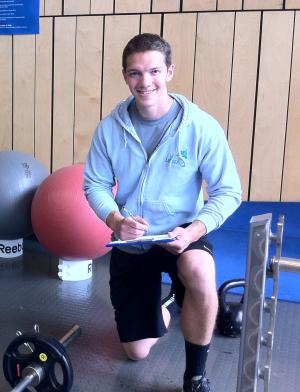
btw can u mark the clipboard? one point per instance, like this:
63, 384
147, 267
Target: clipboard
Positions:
144, 240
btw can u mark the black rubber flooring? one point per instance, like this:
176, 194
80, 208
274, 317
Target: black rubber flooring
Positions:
31, 293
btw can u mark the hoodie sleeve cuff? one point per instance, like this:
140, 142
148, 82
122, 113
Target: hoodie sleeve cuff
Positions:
208, 221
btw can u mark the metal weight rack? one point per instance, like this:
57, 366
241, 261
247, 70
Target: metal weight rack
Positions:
259, 268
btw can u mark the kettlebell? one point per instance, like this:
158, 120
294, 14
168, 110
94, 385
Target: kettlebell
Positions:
230, 315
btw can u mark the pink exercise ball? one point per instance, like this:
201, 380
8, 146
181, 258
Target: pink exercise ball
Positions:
62, 219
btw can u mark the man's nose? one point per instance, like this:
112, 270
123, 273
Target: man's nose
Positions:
146, 79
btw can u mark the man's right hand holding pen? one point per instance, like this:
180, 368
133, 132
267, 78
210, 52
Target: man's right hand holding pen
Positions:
126, 228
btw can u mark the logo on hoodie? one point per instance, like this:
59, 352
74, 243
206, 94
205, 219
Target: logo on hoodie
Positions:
177, 159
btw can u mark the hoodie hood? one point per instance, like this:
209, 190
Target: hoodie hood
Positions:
121, 115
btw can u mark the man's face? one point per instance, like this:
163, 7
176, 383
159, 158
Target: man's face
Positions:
147, 75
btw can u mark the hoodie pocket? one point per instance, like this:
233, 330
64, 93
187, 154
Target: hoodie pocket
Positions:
159, 211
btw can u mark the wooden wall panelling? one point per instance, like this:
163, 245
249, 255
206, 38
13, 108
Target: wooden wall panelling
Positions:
263, 5
63, 94
180, 32
42, 7
213, 63
291, 4
243, 89
23, 92
272, 100
230, 5
6, 92
199, 5
151, 23
102, 6
115, 39
43, 92
132, 6
89, 41
165, 5
76, 7
291, 173
53, 7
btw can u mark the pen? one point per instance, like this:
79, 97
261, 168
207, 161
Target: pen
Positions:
128, 213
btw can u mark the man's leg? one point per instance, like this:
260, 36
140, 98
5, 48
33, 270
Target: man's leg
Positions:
135, 291
140, 349
196, 270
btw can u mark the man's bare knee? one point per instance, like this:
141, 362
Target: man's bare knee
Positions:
196, 269
136, 352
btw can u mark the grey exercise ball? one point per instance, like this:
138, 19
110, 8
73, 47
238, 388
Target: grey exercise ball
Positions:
20, 176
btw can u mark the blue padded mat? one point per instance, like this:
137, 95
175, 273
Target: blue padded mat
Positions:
230, 244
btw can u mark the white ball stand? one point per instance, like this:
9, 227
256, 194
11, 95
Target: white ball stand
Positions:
10, 249
75, 270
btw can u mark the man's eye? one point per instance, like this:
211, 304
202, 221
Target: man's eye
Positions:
155, 71
133, 74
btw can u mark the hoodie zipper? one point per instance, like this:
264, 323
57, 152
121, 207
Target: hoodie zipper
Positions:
147, 166
145, 172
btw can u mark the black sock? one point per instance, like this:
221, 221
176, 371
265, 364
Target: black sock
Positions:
196, 357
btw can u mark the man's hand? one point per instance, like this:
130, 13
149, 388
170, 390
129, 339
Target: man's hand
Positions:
126, 228
184, 237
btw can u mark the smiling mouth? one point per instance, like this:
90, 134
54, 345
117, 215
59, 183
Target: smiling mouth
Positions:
145, 92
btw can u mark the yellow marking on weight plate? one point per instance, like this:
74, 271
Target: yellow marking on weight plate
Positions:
43, 357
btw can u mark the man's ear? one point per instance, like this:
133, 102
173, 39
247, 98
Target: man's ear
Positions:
170, 73
124, 75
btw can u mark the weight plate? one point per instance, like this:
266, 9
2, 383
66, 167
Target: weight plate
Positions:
48, 353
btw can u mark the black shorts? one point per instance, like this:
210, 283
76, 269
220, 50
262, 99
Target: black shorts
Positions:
135, 289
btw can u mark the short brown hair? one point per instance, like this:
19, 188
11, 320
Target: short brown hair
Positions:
144, 42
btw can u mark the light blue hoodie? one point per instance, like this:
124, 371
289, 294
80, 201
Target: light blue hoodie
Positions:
166, 188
